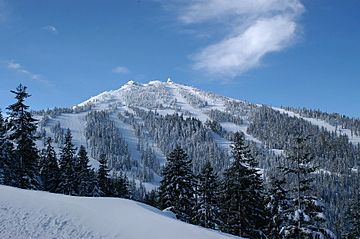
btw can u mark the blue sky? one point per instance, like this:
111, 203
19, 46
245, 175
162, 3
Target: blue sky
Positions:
278, 52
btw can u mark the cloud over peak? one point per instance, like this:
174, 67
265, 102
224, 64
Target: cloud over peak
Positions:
120, 70
255, 28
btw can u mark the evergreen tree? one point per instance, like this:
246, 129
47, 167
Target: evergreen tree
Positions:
176, 190
243, 211
49, 168
21, 130
306, 219
207, 209
120, 186
277, 207
2, 156
67, 183
103, 177
353, 218
83, 174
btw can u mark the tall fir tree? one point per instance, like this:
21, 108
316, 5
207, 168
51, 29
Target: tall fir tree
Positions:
278, 207
207, 212
243, 211
3, 160
67, 164
120, 186
8, 164
83, 173
176, 190
306, 219
103, 177
353, 217
49, 168
21, 129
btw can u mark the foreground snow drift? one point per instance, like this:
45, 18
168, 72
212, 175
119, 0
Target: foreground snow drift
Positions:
35, 214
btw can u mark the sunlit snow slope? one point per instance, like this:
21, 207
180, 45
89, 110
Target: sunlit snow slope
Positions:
34, 214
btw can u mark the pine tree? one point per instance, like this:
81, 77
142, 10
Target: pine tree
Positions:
82, 171
120, 186
67, 183
2, 141
277, 207
306, 219
243, 211
177, 186
207, 210
49, 168
353, 218
21, 130
103, 177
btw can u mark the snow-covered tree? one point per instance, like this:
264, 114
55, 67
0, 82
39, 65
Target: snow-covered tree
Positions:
83, 173
67, 183
103, 177
177, 186
277, 207
21, 128
207, 212
306, 219
243, 204
49, 168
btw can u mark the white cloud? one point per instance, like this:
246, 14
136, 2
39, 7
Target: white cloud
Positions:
51, 29
12, 65
251, 30
120, 70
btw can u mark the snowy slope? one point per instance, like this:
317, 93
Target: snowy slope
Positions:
33, 214
322, 123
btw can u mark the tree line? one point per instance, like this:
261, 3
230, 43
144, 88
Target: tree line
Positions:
23, 165
237, 201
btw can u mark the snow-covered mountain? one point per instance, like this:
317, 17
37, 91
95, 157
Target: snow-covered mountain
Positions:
126, 110
34, 214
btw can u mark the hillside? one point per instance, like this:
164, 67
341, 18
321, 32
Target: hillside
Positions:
137, 125
34, 214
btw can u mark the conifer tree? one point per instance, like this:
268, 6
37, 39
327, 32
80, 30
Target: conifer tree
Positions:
306, 219
120, 186
49, 168
83, 174
243, 210
278, 206
67, 183
3, 163
207, 211
103, 177
21, 129
353, 218
176, 190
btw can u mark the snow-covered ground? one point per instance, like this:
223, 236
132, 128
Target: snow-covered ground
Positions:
34, 214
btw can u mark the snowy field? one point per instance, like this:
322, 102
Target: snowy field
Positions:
33, 214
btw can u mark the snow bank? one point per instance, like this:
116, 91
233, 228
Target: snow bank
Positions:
33, 214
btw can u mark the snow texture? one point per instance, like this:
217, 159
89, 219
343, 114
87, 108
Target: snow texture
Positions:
34, 214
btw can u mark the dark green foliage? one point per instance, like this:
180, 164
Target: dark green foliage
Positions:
103, 177
21, 127
120, 186
67, 183
207, 212
49, 168
83, 174
353, 217
306, 217
177, 186
243, 203
152, 198
277, 207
